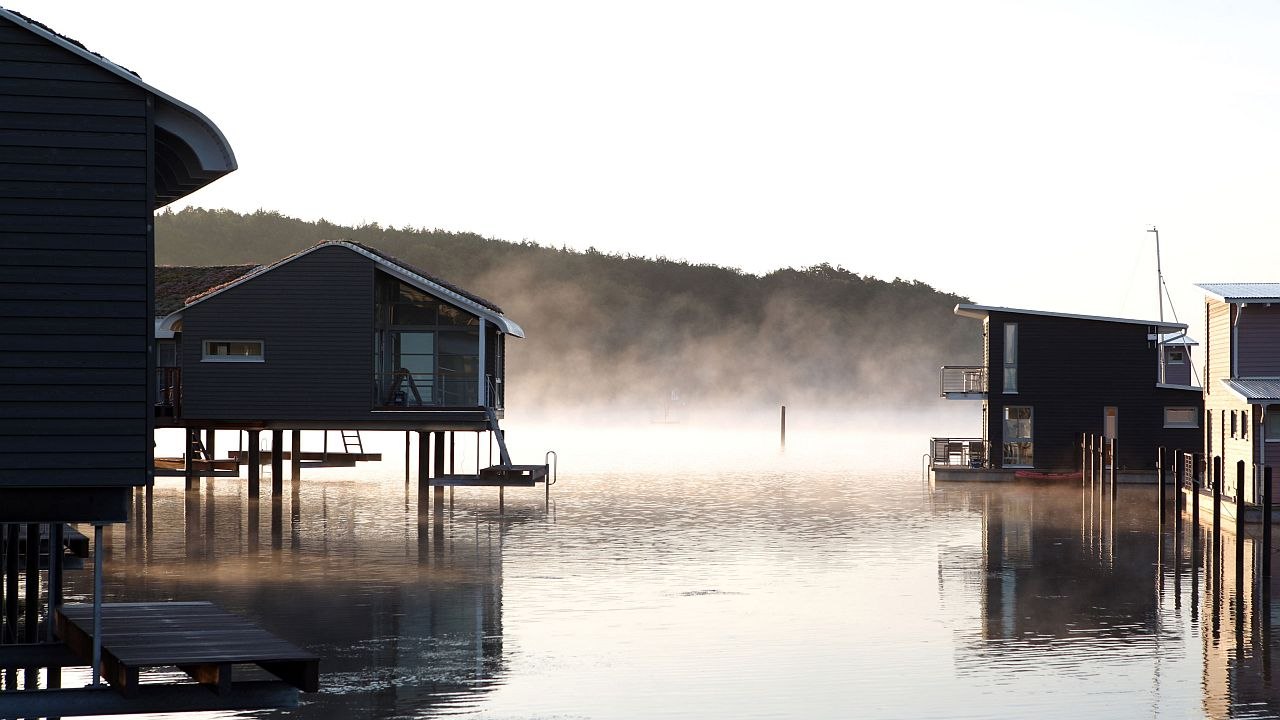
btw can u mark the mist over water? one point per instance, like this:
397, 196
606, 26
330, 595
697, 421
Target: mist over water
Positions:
693, 569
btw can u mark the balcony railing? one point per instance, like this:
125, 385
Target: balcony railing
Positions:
962, 381
169, 392
957, 452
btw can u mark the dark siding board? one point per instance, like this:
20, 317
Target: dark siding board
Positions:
73, 376
69, 308
70, 224
42, 52
45, 155
67, 88
90, 475
1110, 364
100, 140
46, 70
29, 189
315, 317
60, 445
135, 328
73, 393
1258, 346
72, 360
73, 409
97, 108
97, 209
65, 344
53, 246
44, 123
77, 292
58, 257
72, 280
72, 175
11, 34
69, 427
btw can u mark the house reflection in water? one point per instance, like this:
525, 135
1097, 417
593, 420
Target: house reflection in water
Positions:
404, 606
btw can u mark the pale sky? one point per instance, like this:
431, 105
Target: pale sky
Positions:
1013, 152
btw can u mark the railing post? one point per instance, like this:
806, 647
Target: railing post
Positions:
1084, 455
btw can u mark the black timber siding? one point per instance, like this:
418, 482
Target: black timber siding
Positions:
76, 195
314, 315
1107, 364
1258, 341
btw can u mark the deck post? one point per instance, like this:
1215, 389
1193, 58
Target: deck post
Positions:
1160, 482
32, 611
407, 440
1266, 525
438, 469
424, 462
255, 463
11, 583
97, 605
502, 499
1239, 523
277, 462
295, 464
1217, 506
1084, 457
783, 421
210, 445
1115, 464
1177, 480
189, 465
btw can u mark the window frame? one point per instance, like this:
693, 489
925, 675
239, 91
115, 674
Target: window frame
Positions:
1177, 356
1009, 355
1006, 440
206, 356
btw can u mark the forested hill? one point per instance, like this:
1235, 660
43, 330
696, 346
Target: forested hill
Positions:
630, 331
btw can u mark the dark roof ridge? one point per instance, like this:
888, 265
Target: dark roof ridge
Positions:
418, 271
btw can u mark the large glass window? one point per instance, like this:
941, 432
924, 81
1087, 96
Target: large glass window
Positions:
426, 352
1018, 437
1011, 357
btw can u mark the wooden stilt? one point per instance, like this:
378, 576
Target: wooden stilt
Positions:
1160, 480
277, 463
1266, 527
190, 455
1217, 507
31, 615
210, 443
11, 582
406, 456
1240, 503
255, 463
424, 462
438, 467
295, 466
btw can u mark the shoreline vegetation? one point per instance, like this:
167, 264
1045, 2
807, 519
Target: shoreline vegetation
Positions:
628, 330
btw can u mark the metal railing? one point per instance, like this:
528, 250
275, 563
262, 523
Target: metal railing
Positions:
169, 392
961, 379
957, 452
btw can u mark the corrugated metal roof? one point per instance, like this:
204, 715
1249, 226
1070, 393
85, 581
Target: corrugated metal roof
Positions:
980, 311
1255, 390
1176, 338
1237, 292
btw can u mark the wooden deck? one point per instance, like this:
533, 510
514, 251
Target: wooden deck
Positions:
496, 476
308, 458
200, 638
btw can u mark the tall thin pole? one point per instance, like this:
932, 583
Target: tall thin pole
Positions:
1159, 303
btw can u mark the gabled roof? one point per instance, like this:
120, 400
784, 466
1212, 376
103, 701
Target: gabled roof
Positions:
436, 287
1243, 292
191, 151
175, 284
1255, 390
981, 311
1174, 339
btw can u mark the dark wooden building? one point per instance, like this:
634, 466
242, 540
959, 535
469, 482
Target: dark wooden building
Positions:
337, 336
1048, 377
87, 152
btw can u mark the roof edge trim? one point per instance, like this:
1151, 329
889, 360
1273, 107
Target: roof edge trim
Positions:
982, 311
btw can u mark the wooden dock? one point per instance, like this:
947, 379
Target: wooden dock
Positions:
199, 638
308, 458
496, 476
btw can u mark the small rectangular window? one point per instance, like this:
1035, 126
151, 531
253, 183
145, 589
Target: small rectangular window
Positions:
232, 351
1180, 417
1233, 423
1271, 423
1177, 357
1244, 424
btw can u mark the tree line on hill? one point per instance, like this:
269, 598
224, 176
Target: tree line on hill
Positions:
631, 331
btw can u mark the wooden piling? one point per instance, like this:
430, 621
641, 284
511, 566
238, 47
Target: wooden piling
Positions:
1240, 523
295, 444
189, 465
438, 467
11, 582
255, 463
210, 443
1084, 458
277, 463
407, 440
1178, 480
31, 614
424, 462
1197, 478
1217, 507
1114, 466
1266, 524
1160, 482
784, 427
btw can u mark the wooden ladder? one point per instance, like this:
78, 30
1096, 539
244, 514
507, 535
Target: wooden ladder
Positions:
503, 455
351, 439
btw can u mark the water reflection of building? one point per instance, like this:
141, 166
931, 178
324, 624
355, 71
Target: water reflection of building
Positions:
404, 607
1051, 571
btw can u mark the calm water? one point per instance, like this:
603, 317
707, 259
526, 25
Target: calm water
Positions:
749, 584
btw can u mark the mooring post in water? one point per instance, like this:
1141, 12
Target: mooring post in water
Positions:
1177, 480
277, 462
1266, 526
424, 462
1100, 465
295, 464
189, 469
1114, 466
1217, 506
406, 456
255, 463
784, 427
1084, 451
1240, 523
1160, 482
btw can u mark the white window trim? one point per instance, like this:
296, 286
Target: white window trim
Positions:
206, 357
1193, 424
1030, 439
1182, 360
1007, 364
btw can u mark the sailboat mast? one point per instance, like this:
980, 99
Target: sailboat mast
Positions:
1159, 274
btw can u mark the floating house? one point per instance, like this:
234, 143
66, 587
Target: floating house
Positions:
338, 335
1049, 377
88, 152
1242, 385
